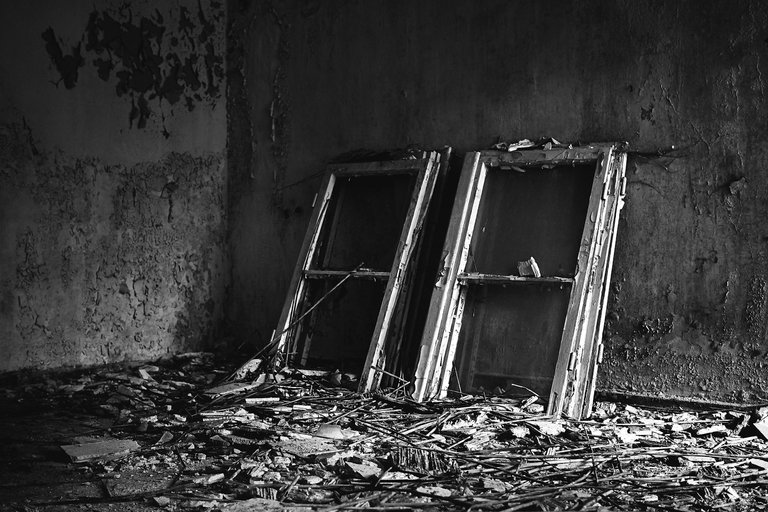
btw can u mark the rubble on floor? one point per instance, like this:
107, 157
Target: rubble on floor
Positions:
297, 442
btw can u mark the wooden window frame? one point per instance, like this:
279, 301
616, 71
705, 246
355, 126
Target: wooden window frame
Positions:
425, 171
580, 347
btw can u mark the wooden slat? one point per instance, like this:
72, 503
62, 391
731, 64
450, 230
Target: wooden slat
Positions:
567, 370
578, 377
383, 168
425, 182
598, 295
459, 297
589, 393
593, 313
480, 279
431, 349
579, 290
539, 157
357, 274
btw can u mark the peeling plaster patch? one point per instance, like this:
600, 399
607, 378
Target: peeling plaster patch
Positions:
101, 271
755, 314
150, 62
646, 114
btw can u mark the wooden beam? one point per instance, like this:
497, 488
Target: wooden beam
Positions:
357, 274
382, 168
541, 157
480, 279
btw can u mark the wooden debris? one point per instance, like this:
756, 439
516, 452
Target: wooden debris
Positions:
477, 453
419, 460
167, 437
231, 388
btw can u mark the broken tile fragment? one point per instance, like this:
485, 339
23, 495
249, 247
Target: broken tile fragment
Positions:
714, 429
762, 428
549, 428
364, 470
329, 431
110, 448
167, 437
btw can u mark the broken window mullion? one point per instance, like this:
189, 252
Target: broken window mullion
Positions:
296, 288
480, 279
596, 359
569, 346
425, 183
584, 338
598, 296
432, 349
458, 296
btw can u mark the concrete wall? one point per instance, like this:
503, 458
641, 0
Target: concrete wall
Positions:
311, 79
112, 180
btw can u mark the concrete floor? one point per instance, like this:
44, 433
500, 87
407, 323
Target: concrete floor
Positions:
36, 475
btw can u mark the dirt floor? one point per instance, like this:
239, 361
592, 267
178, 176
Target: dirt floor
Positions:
302, 440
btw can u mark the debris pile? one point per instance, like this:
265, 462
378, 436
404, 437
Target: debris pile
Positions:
302, 441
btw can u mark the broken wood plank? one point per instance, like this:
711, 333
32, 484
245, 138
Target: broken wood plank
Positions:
230, 389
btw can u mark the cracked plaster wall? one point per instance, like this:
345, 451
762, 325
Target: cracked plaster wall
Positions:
112, 180
313, 79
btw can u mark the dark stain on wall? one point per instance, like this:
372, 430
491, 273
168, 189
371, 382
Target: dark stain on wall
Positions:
155, 61
66, 65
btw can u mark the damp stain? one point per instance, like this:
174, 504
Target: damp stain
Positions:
66, 64
155, 61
